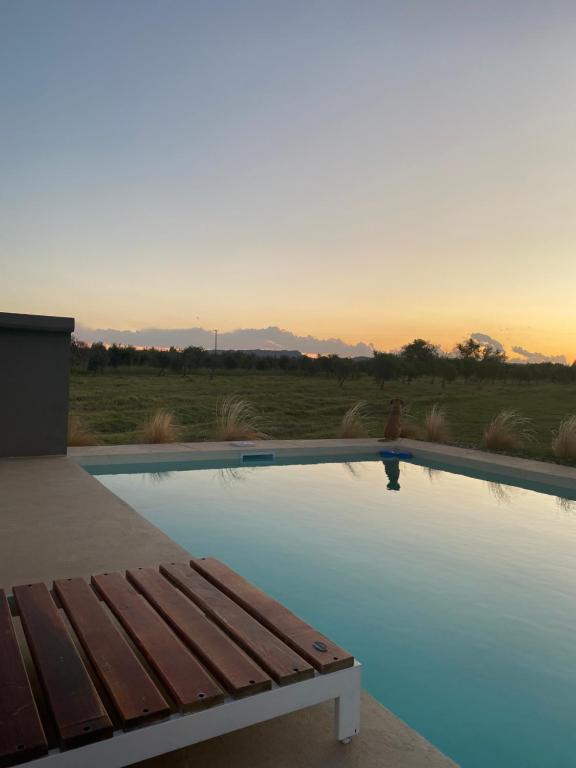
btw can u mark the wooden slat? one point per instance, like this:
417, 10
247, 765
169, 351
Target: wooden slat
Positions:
321, 652
79, 715
226, 660
130, 687
21, 733
182, 674
280, 661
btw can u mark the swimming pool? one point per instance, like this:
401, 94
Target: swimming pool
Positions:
458, 594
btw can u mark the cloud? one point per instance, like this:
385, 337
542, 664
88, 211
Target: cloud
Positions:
483, 338
272, 338
538, 357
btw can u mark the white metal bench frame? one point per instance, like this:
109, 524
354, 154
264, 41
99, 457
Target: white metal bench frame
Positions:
183, 730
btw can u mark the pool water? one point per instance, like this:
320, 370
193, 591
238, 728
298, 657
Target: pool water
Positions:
457, 594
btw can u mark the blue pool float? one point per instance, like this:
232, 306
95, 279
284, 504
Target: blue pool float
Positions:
396, 455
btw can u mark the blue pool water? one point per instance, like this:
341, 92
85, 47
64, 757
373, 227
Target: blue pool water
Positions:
457, 594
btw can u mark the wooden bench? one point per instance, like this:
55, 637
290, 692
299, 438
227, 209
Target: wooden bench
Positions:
138, 664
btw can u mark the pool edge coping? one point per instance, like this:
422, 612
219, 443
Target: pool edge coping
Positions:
467, 458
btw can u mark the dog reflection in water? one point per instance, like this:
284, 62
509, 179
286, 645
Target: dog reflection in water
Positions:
392, 469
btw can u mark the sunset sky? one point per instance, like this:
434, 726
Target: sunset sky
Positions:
370, 170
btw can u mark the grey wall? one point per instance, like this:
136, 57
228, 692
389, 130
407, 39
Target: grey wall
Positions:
34, 373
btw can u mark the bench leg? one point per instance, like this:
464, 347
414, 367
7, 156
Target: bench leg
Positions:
347, 709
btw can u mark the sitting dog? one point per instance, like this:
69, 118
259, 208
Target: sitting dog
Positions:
392, 429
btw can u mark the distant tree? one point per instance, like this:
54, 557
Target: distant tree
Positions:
385, 366
469, 349
467, 367
410, 370
285, 363
481, 361
79, 353
520, 373
193, 358
160, 359
174, 359
324, 363
341, 367
492, 355
98, 357
447, 370
123, 355
420, 351
308, 365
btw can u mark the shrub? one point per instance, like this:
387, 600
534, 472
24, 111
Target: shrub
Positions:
564, 440
508, 430
160, 428
435, 425
353, 422
236, 419
77, 434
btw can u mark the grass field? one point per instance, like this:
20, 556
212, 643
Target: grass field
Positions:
114, 404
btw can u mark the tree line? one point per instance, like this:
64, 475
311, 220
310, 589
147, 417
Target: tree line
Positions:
471, 361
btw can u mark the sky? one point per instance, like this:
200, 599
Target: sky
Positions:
372, 171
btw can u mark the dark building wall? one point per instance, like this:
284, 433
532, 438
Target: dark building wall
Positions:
34, 374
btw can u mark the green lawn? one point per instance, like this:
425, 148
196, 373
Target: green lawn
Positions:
114, 404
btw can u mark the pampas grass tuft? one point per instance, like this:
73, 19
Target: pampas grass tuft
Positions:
435, 425
353, 422
77, 434
564, 440
160, 428
236, 419
507, 431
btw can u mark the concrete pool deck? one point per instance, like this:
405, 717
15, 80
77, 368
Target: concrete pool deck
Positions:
57, 521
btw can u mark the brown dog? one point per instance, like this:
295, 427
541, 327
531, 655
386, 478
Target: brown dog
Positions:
392, 429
